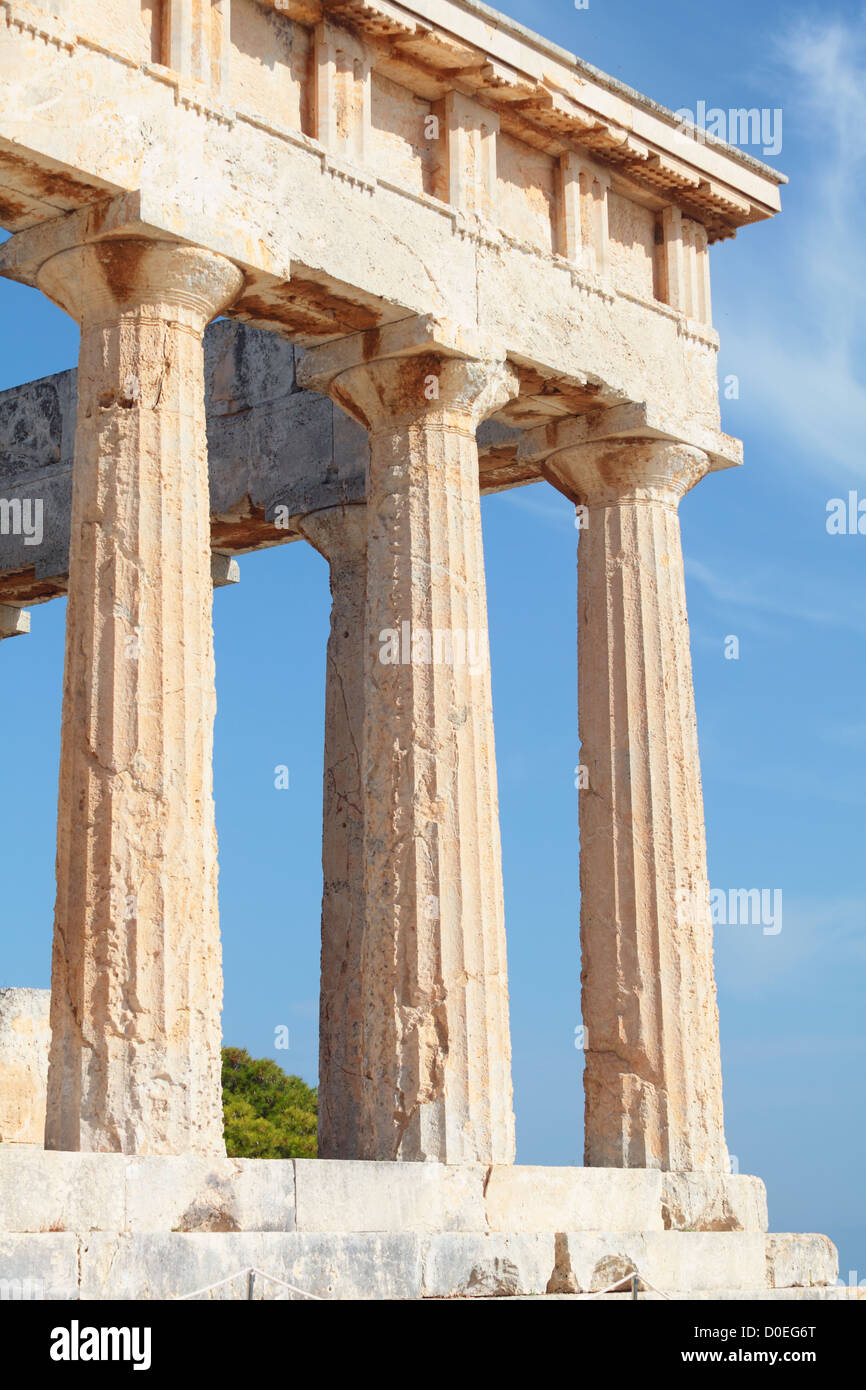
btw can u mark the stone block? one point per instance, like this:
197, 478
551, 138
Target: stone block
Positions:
165, 1266
800, 1261
342, 1195
43, 1190
54, 1191
385, 1265
345, 1266
326, 1266
25, 1035
574, 1199
264, 1194
38, 1267
589, 1261
191, 1193
713, 1202
486, 1266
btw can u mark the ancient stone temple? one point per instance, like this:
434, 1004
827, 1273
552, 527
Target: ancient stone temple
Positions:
447, 258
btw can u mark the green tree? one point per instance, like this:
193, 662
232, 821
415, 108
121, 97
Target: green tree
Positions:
267, 1113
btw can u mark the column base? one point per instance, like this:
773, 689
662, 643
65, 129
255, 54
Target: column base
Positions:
100, 1226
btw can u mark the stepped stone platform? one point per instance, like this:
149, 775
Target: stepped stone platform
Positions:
112, 1226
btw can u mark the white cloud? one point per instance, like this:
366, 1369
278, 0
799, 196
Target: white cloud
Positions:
543, 501
769, 589
815, 931
800, 353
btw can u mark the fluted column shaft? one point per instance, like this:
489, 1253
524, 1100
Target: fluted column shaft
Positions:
340, 534
653, 1071
436, 1074
136, 975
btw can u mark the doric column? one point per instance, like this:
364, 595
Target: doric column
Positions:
653, 1071
340, 534
136, 978
436, 1081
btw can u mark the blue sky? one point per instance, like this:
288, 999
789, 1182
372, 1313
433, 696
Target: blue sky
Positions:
782, 729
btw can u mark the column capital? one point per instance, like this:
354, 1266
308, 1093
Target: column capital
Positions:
608, 472
631, 420
102, 281
395, 392
336, 532
415, 369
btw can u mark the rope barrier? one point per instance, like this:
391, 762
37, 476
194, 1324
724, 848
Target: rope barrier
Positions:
250, 1274
636, 1274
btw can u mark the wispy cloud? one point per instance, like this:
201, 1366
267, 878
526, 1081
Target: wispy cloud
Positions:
827, 930
801, 355
544, 502
768, 589
827, 59
796, 1046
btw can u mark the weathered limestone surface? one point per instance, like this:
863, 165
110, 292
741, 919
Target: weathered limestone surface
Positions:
275, 453
132, 1226
40, 1266
426, 1198
799, 1261
332, 234
527, 1198
57, 1191
713, 1202
48, 1190
588, 1262
491, 1266
14, 622
191, 1193
460, 222
653, 1068
406, 1264
436, 1047
43, 1191
326, 1266
136, 983
24, 1039
269, 445
37, 438
341, 536
623, 1199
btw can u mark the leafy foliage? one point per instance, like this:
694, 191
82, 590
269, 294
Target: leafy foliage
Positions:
267, 1113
